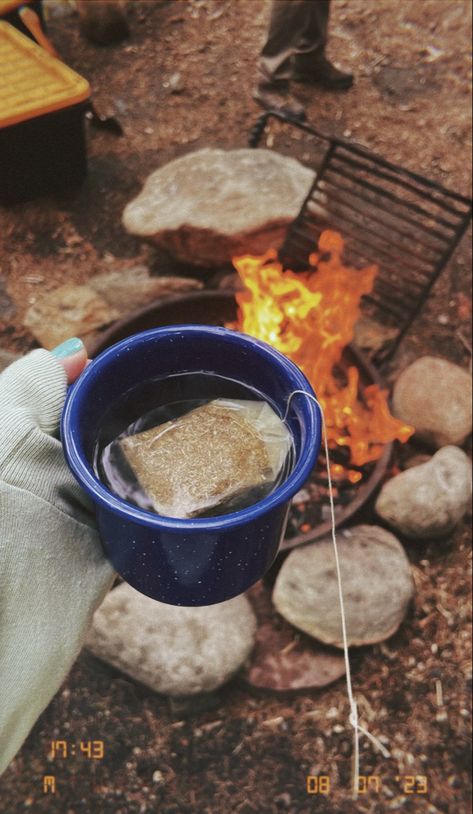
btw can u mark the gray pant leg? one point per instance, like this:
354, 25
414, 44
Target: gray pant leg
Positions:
313, 38
297, 29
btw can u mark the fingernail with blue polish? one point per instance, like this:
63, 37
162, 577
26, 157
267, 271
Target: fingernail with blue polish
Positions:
68, 348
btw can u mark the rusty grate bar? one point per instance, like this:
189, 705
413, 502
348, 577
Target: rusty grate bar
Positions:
406, 224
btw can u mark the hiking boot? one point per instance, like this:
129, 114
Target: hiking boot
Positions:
324, 74
281, 101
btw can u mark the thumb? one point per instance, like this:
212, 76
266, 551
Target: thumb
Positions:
72, 355
32, 391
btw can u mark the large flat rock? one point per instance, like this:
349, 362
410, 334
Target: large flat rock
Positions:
78, 310
131, 288
70, 310
212, 205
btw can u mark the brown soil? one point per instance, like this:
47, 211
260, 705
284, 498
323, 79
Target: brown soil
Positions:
235, 752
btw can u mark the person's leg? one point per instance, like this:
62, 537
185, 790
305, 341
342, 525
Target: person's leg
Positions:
286, 24
310, 63
310, 45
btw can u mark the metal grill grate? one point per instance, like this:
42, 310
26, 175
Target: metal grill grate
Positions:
406, 224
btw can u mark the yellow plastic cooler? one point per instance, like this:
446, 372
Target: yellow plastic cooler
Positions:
42, 133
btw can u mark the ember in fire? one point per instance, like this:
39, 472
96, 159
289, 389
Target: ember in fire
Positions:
310, 317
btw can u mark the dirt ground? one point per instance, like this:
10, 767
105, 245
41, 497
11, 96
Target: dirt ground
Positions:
235, 751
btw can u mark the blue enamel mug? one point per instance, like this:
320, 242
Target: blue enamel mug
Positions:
199, 561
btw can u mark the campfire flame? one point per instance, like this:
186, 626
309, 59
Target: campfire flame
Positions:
310, 317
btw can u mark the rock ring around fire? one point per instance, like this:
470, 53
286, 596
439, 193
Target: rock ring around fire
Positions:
174, 650
434, 395
377, 587
429, 500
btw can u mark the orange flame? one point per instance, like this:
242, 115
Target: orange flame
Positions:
310, 317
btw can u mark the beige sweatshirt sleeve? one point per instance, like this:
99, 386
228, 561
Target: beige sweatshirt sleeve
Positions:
53, 573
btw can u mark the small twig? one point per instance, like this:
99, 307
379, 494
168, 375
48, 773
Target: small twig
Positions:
465, 344
445, 613
273, 722
289, 647
464, 341
378, 61
369, 711
387, 652
211, 725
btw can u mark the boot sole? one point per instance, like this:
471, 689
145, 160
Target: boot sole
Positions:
344, 85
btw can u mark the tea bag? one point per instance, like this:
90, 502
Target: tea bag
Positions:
210, 457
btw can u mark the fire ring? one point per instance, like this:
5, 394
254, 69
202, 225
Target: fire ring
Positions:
217, 308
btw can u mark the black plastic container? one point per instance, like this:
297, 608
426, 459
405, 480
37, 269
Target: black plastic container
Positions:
42, 121
44, 155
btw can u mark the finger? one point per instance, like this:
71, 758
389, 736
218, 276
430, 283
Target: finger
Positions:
73, 357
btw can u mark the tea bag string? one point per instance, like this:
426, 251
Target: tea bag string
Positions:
353, 719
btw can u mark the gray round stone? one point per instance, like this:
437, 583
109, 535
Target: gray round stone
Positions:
434, 396
376, 579
174, 650
430, 499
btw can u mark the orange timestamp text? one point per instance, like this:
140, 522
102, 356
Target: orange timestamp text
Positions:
410, 783
92, 750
